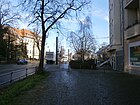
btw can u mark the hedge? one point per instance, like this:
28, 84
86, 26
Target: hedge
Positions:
86, 64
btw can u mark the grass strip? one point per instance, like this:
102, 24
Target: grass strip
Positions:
9, 93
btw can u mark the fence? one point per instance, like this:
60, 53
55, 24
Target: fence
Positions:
13, 76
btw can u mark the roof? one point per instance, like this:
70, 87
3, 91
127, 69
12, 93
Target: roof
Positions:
24, 32
18, 31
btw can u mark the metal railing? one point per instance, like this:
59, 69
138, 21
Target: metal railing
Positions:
10, 77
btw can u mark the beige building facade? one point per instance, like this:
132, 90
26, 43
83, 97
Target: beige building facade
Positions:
132, 36
124, 16
116, 34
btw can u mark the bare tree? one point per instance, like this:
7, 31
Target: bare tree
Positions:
49, 12
7, 18
37, 40
83, 41
7, 15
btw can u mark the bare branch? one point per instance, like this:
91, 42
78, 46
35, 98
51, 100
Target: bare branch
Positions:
7, 16
83, 42
49, 12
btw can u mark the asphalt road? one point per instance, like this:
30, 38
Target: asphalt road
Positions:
12, 67
14, 72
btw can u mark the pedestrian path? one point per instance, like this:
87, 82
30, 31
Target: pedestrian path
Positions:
84, 87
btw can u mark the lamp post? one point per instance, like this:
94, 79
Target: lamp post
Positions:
56, 50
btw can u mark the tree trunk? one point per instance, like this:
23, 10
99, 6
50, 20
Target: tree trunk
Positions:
41, 63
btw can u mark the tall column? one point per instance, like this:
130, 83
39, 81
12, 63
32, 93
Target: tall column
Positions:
68, 56
56, 50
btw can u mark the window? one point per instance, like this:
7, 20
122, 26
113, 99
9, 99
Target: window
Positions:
134, 54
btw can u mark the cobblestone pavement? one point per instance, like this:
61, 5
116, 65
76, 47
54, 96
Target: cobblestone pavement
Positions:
84, 87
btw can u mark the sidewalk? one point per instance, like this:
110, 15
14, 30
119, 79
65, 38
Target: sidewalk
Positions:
84, 87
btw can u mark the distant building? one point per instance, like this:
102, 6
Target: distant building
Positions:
103, 54
28, 38
61, 55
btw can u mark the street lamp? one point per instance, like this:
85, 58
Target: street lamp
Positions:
57, 48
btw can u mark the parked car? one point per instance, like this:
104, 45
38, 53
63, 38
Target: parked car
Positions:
22, 61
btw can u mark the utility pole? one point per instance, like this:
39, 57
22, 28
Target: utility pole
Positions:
68, 56
56, 50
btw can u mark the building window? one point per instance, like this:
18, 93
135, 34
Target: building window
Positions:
134, 54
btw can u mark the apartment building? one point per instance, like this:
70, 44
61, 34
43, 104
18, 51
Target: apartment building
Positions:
29, 39
132, 36
116, 34
124, 16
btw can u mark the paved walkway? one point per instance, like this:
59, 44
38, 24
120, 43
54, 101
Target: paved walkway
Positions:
84, 87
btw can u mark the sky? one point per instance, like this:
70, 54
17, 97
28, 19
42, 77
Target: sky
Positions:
100, 26
100, 18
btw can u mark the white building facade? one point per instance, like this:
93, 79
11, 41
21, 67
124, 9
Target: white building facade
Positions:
32, 49
28, 38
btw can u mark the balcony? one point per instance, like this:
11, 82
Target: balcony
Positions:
132, 31
131, 4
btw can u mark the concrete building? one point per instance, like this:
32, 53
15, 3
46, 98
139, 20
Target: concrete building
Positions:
116, 34
124, 16
132, 36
